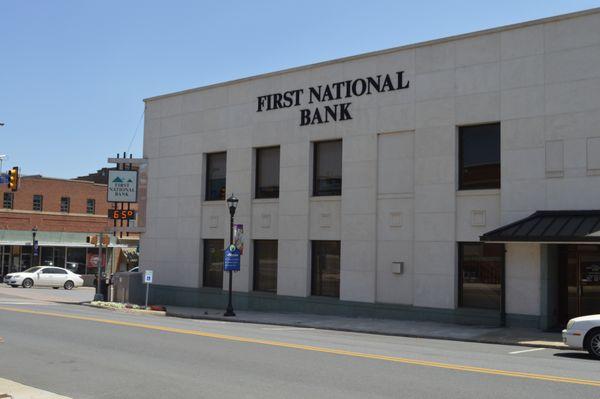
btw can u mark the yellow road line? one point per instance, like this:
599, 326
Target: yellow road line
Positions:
426, 363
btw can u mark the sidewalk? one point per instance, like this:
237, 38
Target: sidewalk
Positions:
404, 328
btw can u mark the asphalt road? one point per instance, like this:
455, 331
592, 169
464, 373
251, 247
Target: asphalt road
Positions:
83, 352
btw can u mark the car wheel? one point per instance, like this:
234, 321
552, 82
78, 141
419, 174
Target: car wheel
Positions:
593, 344
69, 285
27, 283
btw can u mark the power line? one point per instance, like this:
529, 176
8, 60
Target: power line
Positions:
136, 130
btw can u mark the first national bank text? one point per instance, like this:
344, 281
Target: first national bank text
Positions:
331, 92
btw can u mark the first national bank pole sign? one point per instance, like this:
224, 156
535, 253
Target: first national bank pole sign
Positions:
122, 185
328, 93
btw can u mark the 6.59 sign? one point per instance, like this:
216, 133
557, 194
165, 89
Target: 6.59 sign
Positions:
121, 214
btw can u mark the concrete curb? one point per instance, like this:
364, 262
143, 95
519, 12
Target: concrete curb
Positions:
560, 346
126, 310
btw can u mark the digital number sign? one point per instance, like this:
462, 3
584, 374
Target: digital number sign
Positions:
121, 214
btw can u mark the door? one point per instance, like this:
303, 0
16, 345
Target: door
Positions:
45, 277
589, 284
59, 277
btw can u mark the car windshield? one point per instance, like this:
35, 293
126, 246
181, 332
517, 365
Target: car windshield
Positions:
32, 269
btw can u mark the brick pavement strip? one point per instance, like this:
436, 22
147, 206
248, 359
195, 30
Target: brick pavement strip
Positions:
14, 390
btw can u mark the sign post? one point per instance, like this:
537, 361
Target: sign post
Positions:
148, 276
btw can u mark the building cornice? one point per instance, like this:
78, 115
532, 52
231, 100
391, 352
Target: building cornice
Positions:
384, 51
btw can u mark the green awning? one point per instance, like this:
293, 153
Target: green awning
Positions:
50, 239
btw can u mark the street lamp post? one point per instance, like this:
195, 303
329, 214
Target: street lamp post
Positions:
34, 246
232, 203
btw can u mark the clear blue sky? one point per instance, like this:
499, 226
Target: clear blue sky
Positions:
73, 73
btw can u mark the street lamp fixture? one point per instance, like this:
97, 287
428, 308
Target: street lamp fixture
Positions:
34, 245
232, 203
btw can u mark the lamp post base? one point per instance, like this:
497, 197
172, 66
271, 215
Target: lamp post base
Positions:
229, 313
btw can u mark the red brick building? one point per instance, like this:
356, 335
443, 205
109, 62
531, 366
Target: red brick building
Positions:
64, 212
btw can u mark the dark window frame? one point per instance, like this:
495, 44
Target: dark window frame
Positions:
501, 277
258, 191
207, 182
41, 205
316, 191
319, 289
67, 201
8, 200
462, 186
219, 243
257, 283
90, 206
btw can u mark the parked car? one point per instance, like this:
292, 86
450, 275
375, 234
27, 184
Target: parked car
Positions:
584, 333
44, 276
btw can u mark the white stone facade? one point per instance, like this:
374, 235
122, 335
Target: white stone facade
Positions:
400, 200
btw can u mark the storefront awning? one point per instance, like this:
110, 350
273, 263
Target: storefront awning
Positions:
50, 239
550, 226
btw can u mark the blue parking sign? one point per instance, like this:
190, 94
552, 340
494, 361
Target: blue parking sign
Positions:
232, 259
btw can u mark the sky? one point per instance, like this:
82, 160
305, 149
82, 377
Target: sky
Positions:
73, 74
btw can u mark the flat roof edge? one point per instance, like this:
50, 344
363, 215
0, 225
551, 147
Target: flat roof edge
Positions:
383, 51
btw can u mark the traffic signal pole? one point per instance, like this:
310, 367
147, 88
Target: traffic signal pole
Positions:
98, 296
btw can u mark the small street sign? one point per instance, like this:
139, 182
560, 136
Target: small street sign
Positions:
148, 276
232, 259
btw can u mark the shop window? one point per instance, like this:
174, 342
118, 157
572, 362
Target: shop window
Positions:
479, 156
76, 260
267, 172
215, 176
265, 265
91, 206
326, 268
327, 168
480, 275
65, 204
8, 200
38, 201
213, 263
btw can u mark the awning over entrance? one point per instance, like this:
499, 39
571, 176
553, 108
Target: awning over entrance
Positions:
550, 226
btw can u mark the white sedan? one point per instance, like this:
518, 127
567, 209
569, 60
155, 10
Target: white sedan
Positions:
44, 276
584, 333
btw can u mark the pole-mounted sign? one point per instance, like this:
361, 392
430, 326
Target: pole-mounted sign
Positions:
232, 259
122, 185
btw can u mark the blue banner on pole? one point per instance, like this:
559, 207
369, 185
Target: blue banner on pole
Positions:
4, 178
232, 259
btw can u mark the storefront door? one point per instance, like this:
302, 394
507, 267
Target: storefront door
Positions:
589, 284
583, 281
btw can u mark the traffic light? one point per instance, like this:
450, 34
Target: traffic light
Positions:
92, 240
13, 178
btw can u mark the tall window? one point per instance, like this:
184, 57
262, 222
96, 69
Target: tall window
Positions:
327, 168
480, 274
213, 263
65, 204
267, 172
265, 265
215, 176
91, 206
326, 268
38, 201
479, 156
8, 200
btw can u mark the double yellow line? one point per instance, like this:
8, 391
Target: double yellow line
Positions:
340, 352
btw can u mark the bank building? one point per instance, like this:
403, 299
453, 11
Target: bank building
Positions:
452, 180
